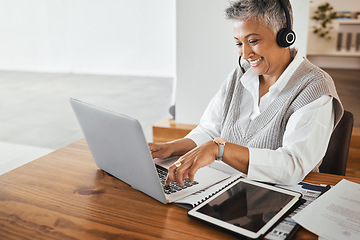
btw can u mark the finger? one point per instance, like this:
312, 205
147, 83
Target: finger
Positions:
197, 163
185, 168
191, 174
186, 174
179, 177
152, 147
171, 175
182, 172
156, 154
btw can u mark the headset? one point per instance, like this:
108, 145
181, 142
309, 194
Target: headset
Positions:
285, 37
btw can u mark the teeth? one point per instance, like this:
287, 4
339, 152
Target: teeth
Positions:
254, 62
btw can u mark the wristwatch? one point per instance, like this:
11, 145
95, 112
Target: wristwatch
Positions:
221, 142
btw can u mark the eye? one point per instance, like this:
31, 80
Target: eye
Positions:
239, 44
253, 42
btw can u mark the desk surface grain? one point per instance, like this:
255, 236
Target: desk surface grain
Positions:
63, 195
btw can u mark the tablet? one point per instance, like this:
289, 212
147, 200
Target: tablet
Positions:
246, 208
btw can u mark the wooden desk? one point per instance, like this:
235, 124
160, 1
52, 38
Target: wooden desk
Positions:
63, 195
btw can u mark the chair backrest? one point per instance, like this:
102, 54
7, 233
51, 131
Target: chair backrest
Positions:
336, 155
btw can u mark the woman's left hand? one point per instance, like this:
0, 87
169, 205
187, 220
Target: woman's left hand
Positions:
192, 161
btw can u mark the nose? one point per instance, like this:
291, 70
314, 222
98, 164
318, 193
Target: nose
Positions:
246, 51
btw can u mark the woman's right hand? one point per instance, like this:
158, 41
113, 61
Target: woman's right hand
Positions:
160, 150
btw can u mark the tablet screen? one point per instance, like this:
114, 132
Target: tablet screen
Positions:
246, 205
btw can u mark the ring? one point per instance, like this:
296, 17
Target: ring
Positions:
177, 164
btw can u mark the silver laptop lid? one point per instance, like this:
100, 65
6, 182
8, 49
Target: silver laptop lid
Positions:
118, 146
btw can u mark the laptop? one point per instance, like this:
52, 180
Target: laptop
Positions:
118, 146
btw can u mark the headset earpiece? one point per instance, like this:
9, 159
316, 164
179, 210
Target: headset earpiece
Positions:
285, 37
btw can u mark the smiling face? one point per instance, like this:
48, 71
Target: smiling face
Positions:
257, 45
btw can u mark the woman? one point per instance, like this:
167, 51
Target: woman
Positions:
275, 117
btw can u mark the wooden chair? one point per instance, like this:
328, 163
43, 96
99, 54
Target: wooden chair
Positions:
336, 155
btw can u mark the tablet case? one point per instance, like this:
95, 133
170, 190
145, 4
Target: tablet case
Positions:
294, 207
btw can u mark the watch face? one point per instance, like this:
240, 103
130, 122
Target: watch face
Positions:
219, 140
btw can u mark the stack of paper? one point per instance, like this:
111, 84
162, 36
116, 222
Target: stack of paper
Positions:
335, 214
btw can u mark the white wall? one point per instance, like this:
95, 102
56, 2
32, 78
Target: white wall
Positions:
123, 37
206, 52
301, 24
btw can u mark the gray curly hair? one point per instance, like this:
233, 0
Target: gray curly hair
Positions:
268, 12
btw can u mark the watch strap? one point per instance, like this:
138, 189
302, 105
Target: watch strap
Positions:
221, 152
221, 143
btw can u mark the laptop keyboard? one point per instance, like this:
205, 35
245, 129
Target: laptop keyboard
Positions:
173, 186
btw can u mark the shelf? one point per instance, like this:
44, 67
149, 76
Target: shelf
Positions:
335, 54
347, 21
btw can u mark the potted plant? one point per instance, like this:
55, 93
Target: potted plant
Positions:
323, 16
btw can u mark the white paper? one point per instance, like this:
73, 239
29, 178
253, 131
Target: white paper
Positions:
334, 215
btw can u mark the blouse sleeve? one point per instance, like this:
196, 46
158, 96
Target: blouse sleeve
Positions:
305, 142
